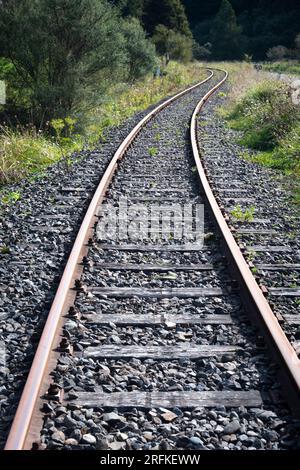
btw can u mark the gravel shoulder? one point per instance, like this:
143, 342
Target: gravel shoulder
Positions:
239, 182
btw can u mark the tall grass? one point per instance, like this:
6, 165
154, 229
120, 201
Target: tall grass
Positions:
265, 114
285, 155
23, 152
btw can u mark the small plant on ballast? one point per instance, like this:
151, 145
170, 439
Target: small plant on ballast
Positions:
243, 215
250, 255
10, 198
4, 250
254, 270
153, 151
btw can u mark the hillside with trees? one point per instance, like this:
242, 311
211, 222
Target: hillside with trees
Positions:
262, 24
239, 27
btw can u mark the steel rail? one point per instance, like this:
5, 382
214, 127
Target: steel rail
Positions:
21, 436
252, 296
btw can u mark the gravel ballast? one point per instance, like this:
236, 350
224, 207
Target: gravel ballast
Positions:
31, 272
249, 367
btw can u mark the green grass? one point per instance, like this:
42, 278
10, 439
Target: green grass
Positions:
297, 196
270, 123
26, 152
153, 151
243, 215
265, 114
288, 67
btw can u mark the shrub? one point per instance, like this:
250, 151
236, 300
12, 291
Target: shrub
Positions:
201, 52
140, 52
287, 154
63, 51
173, 44
265, 115
277, 53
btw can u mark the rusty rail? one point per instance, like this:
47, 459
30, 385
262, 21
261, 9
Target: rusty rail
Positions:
22, 434
251, 294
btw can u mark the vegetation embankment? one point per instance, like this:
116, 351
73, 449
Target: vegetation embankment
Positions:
285, 66
72, 69
267, 113
26, 151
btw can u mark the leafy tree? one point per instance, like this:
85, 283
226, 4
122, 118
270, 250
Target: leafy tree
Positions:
58, 48
201, 52
277, 53
172, 44
140, 52
169, 13
265, 23
225, 34
134, 8
202, 30
198, 11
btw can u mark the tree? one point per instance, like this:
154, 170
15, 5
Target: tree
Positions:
201, 52
133, 8
225, 34
58, 47
169, 13
265, 23
201, 31
296, 52
277, 53
172, 44
140, 52
198, 11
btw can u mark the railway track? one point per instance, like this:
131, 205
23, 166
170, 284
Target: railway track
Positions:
155, 326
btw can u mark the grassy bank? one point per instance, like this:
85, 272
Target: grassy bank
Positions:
263, 111
125, 100
288, 67
25, 151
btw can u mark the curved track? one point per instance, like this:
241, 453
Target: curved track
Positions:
78, 278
